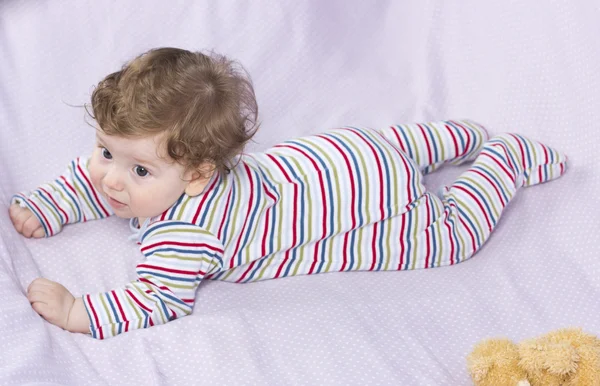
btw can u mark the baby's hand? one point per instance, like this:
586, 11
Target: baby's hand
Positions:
25, 222
56, 304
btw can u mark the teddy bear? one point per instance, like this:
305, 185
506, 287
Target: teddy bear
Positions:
566, 357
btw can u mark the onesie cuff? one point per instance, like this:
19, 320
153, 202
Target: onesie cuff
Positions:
107, 319
98, 328
43, 210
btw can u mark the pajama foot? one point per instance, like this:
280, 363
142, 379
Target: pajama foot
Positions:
534, 162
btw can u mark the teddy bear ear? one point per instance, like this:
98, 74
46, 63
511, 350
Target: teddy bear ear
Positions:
556, 358
487, 354
479, 367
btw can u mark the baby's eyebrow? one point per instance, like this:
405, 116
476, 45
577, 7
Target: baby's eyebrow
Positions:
145, 162
99, 140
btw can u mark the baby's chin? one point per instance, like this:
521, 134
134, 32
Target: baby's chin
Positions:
125, 216
128, 213
141, 219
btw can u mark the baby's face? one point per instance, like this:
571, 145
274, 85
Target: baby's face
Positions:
135, 175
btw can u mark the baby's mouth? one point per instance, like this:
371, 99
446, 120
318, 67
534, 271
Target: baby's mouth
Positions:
115, 203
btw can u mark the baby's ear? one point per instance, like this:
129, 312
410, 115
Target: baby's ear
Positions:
197, 179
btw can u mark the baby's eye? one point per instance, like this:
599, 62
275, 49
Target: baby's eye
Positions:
106, 154
141, 171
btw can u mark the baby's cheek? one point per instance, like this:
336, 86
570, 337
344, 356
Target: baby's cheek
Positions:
158, 200
95, 175
146, 204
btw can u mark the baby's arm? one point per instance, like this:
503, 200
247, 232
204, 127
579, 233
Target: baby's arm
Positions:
178, 256
68, 199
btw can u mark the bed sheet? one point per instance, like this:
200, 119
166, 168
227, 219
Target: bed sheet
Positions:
530, 67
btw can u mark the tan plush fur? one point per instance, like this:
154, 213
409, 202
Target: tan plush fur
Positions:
567, 357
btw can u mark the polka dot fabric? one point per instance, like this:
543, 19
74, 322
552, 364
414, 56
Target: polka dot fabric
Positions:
529, 68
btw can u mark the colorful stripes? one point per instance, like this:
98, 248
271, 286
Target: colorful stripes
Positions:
348, 199
332, 202
475, 201
69, 199
178, 256
434, 143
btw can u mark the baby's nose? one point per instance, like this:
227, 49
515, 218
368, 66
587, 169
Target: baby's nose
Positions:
113, 180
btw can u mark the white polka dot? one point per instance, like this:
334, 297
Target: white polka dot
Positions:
531, 69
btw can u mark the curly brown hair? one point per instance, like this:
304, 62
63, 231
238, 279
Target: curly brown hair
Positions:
204, 103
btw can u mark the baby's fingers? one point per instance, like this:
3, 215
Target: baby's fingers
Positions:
37, 297
42, 284
46, 311
39, 233
31, 226
13, 211
41, 308
18, 216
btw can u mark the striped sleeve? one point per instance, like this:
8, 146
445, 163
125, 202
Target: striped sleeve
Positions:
68, 199
178, 256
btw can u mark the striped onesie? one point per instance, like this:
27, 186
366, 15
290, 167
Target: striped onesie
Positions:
346, 200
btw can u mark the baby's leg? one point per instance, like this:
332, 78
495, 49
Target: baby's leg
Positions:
474, 203
432, 144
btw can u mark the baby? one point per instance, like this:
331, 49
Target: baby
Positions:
171, 126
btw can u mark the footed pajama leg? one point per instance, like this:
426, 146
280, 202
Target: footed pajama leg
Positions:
473, 204
434, 143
